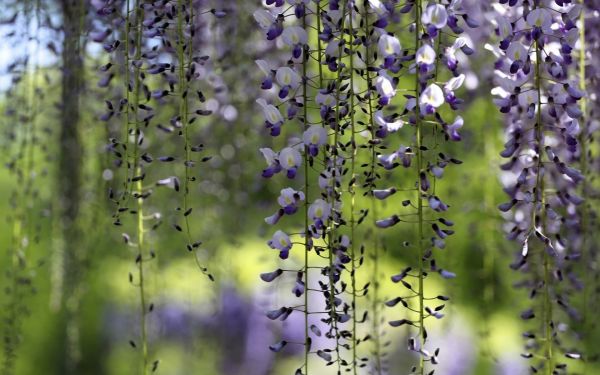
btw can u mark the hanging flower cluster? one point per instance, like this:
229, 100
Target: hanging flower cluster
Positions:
158, 44
432, 59
537, 90
317, 88
352, 44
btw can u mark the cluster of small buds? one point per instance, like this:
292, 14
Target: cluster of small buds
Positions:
537, 90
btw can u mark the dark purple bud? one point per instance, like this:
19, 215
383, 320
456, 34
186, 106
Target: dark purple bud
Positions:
270, 276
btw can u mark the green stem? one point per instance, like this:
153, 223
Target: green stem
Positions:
489, 238
138, 187
353, 198
420, 213
306, 200
183, 105
547, 313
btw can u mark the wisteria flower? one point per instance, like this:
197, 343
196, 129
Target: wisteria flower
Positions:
541, 21
281, 241
314, 137
273, 166
431, 98
425, 58
273, 118
290, 160
387, 124
385, 88
327, 101
288, 200
389, 48
452, 85
296, 37
452, 129
269, 22
435, 17
450, 53
266, 69
518, 54
319, 212
288, 79
388, 160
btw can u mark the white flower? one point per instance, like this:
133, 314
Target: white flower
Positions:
294, 35
454, 83
280, 241
264, 18
541, 18
425, 55
435, 15
264, 67
389, 45
319, 210
450, 52
378, 6
504, 27
286, 76
433, 96
270, 112
289, 197
289, 158
269, 155
516, 51
315, 135
384, 85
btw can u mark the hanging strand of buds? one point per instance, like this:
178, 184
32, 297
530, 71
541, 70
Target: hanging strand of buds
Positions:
22, 111
378, 364
128, 151
422, 111
352, 187
187, 73
289, 159
537, 93
137, 192
335, 162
